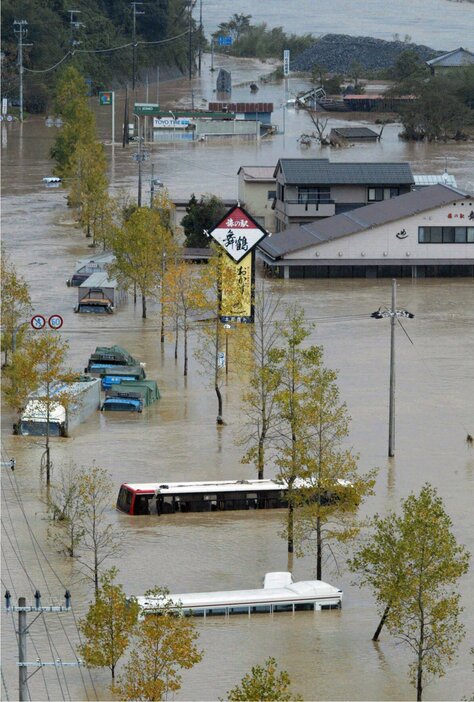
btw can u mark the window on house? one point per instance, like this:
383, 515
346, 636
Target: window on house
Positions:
314, 195
446, 235
379, 194
271, 194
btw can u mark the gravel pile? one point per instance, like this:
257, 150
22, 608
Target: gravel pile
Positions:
337, 52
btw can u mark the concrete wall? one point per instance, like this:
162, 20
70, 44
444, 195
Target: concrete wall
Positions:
382, 242
253, 196
226, 128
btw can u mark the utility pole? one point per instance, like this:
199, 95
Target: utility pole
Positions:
74, 25
23, 628
140, 157
393, 313
20, 28
190, 47
134, 40
200, 37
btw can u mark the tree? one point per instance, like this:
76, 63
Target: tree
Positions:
100, 541
293, 365
79, 121
89, 189
264, 682
39, 368
65, 506
16, 307
412, 564
140, 246
164, 644
182, 296
259, 398
327, 504
108, 625
200, 216
222, 296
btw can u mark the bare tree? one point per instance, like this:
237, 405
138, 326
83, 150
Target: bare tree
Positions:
65, 506
100, 541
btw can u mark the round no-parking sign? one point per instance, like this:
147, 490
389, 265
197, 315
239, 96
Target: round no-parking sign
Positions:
38, 321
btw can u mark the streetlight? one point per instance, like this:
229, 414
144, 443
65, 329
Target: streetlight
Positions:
139, 157
393, 313
174, 123
227, 327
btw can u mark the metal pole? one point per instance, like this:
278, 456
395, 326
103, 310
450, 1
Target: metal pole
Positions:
113, 118
22, 670
134, 44
200, 36
139, 165
226, 353
190, 47
391, 416
152, 187
157, 85
212, 54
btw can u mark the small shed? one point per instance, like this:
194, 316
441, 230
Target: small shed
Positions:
99, 294
353, 134
87, 266
459, 58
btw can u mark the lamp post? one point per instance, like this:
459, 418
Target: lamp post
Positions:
174, 123
139, 157
227, 327
393, 313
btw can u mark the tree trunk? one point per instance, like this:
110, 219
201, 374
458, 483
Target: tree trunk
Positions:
143, 307
176, 339
319, 550
291, 519
112, 670
48, 454
219, 419
185, 348
261, 456
375, 637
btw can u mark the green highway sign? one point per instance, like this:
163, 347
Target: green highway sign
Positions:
145, 108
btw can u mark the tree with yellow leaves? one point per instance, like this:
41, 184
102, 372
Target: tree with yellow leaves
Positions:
182, 295
165, 643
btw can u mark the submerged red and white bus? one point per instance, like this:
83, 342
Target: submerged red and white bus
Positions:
205, 496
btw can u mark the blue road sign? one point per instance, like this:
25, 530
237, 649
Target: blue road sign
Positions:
224, 41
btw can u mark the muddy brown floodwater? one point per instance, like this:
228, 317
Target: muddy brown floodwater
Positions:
329, 655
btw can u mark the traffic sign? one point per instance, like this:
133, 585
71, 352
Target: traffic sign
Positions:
224, 41
105, 98
9, 118
55, 321
38, 321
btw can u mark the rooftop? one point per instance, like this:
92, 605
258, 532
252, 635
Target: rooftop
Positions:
313, 171
263, 173
458, 57
296, 238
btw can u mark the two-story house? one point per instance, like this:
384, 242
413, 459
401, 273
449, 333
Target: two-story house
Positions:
308, 189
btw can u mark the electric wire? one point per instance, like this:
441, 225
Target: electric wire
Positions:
13, 531
7, 697
101, 51
36, 543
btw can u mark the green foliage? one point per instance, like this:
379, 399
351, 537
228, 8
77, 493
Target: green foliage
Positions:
108, 625
79, 122
15, 309
412, 563
201, 216
443, 107
89, 190
264, 682
107, 24
407, 65
66, 509
141, 245
164, 644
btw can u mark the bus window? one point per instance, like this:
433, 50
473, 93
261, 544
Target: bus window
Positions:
124, 499
141, 505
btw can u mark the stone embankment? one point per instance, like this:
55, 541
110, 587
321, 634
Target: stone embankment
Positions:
338, 52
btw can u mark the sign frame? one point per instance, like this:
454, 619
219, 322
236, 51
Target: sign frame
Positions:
55, 326
227, 216
41, 322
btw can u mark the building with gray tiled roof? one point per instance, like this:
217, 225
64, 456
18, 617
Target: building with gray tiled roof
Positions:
424, 232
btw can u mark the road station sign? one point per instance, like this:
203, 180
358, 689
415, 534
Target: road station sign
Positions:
238, 233
55, 321
106, 97
38, 321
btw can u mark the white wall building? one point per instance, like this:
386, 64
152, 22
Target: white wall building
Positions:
428, 232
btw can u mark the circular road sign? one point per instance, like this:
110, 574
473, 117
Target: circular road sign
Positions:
38, 321
55, 321
9, 118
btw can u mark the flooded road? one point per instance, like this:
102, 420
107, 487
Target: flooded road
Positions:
329, 655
